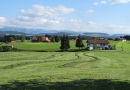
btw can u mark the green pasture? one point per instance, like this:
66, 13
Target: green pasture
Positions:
42, 46
125, 45
112, 43
95, 70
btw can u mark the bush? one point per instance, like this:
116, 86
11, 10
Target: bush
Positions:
5, 48
1, 49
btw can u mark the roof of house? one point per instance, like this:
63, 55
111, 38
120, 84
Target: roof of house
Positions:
13, 41
10, 45
44, 38
35, 38
98, 41
121, 38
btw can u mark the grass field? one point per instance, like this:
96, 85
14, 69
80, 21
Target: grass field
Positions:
126, 45
95, 70
29, 46
40, 46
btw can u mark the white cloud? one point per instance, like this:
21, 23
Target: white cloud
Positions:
103, 2
119, 1
40, 17
90, 11
41, 11
2, 19
90, 22
95, 3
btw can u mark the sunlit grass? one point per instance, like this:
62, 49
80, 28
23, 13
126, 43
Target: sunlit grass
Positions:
64, 67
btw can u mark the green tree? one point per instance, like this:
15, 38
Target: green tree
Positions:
79, 42
67, 42
27, 38
2, 39
64, 43
95, 46
11, 39
40, 39
22, 38
114, 47
1, 48
52, 39
109, 47
57, 38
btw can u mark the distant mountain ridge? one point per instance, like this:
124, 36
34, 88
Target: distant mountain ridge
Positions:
42, 32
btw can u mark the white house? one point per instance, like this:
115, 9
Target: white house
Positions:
101, 44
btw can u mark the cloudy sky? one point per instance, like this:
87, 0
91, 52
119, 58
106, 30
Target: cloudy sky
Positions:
108, 16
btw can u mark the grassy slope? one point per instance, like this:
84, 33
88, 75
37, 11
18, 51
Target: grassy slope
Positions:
65, 70
126, 45
113, 42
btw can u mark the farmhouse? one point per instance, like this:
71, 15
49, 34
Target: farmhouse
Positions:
101, 44
45, 39
120, 39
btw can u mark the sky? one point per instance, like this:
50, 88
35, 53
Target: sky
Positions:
106, 16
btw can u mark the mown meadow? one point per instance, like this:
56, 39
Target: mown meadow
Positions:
95, 70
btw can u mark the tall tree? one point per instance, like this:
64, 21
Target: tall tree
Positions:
22, 38
57, 38
40, 39
27, 38
67, 41
11, 39
79, 42
64, 43
2, 39
95, 46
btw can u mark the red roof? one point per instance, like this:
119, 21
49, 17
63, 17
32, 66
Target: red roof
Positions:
44, 38
13, 41
35, 38
98, 41
121, 38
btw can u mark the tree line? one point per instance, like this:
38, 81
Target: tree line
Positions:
10, 38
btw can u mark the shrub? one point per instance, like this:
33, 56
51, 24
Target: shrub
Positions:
6, 48
1, 49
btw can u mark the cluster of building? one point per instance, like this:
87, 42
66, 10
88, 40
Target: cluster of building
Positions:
101, 43
117, 39
45, 39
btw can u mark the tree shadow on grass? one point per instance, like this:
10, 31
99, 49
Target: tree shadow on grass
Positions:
83, 84
74, 50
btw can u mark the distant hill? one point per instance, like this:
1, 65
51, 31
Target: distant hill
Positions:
42, 32
118, 35
2, 33
89, 33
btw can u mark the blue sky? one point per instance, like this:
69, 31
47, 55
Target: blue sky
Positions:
108, 16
